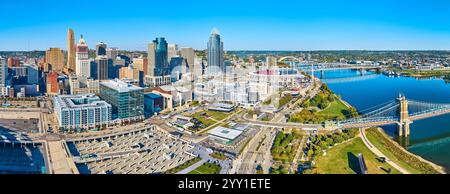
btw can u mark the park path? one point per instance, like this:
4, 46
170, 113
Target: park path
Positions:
298, 154
378, 153
193, 167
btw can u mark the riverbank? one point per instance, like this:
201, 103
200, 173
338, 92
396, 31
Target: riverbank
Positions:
421, 73
411, 162
323, 107
343, 159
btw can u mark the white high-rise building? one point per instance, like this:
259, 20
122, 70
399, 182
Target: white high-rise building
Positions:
83, 64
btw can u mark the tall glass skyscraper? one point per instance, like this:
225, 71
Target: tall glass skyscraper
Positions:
100, 49
158, 70
215, 53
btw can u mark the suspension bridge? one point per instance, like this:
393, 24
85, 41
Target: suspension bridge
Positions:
312, 66
400, 111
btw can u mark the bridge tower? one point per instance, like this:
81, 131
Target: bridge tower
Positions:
404, 122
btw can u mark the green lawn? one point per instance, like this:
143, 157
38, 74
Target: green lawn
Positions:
207, 168
411, 164
335, 110
343, 159
183, 166
213, 114
218, 155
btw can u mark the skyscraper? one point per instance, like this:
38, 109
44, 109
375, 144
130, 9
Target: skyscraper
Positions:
55, 57
215, 53
158, 64
83, 67
112, 53
100, 49
71, 50
3, 72
189, 55
102, 67
172, 51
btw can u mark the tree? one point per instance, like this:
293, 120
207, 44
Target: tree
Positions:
310, 153
323, 145
317, 151
337, 138
329, 141
345, 136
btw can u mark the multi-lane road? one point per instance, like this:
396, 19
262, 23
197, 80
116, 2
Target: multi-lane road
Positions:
258, 151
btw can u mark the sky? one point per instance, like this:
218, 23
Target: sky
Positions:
244, 24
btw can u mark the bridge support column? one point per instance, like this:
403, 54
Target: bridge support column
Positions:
406, 127
403, 129
403, 125
400, 129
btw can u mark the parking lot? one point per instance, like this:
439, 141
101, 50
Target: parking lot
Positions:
145, 151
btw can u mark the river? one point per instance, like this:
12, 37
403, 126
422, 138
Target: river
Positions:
430, 138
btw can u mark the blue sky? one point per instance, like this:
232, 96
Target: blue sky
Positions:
244, 25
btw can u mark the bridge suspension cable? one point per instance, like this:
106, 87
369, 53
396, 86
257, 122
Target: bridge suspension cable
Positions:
419, 107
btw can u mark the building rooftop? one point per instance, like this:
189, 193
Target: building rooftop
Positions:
80, 101
153, 95
225, 133
120, 86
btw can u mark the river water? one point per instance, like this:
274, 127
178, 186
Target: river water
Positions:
430, 138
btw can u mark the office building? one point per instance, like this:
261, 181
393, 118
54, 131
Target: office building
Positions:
172, 51
83, 67
129, 73
112, 53
102, 67
81, 111
26, 74
71, 50
83, 85
13, 62
158, 72
153, 104
178, 68
215, 54
140, 63
198, 68
100, 49
3, 72
32, 74
52, 83
189, 55
27, 90
127, 100
55, 58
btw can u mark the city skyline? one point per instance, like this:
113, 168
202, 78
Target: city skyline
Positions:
250, 25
